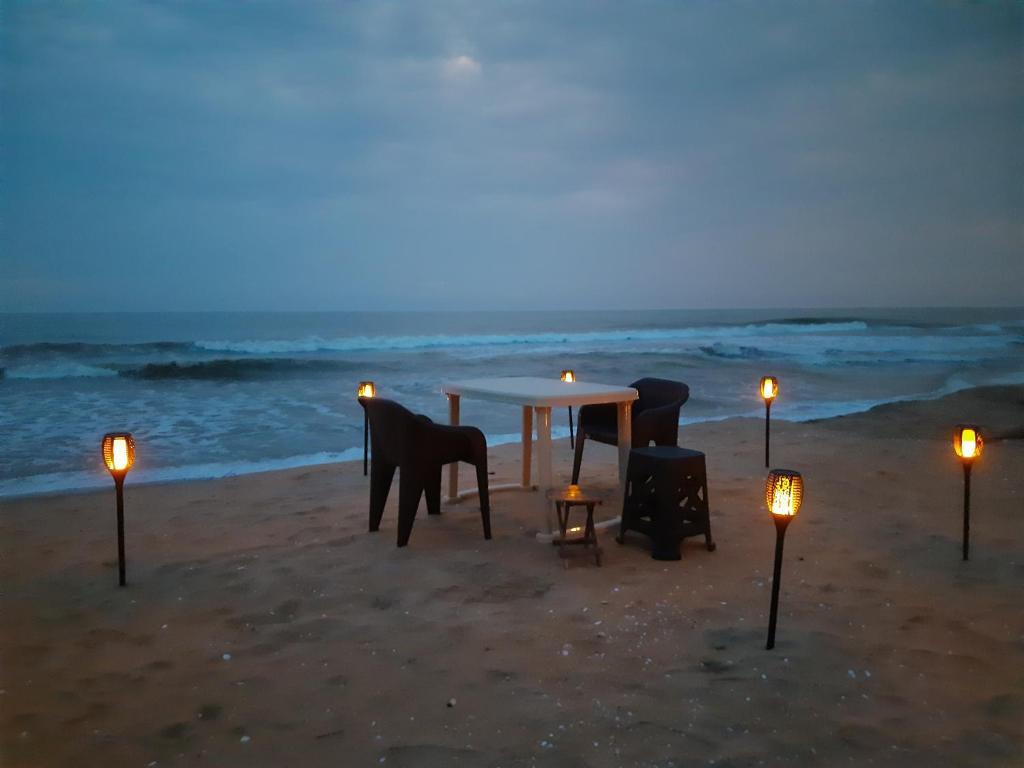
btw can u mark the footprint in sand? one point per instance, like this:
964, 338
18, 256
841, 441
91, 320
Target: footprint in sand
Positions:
872, 570
501, 676
210, 712
174, 731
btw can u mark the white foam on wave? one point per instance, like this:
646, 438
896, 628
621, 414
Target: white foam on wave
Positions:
63, 482
64, 369
374, 343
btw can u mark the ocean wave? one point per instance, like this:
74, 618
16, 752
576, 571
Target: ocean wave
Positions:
49, 350
314, 344
808, 340
812, 320
60, 369
235, 368
220, 369
737, 352
62, 482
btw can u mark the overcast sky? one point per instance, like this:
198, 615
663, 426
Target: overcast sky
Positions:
288, 155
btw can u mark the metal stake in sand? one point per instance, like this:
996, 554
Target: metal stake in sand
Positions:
769, 389
783, 492
366, 389
119, 455
967, 444
569, 377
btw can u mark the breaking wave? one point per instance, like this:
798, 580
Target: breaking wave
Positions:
235, 368
379, 343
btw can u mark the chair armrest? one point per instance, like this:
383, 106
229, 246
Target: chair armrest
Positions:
452, 443
600, 416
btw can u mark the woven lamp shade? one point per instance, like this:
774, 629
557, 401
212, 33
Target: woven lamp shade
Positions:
784, 492
118, 451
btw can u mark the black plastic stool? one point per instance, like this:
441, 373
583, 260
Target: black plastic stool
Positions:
666, 499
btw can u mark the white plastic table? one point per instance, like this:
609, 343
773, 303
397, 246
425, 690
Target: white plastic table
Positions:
539, 395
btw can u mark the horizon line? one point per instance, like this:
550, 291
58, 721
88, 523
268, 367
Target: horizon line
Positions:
845, 308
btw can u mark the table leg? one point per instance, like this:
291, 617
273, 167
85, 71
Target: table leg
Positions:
453, 468
590, 534
527, 443
625, 422
544, 460
562, 510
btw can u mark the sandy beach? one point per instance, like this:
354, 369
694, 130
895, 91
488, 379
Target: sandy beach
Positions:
263, 626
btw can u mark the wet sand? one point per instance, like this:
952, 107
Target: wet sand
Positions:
263, 626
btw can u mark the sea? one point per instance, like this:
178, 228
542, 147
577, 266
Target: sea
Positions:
222, 393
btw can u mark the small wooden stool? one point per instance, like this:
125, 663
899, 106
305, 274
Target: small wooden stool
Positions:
565, 499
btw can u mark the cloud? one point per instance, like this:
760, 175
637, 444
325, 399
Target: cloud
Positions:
293, 146
461, 68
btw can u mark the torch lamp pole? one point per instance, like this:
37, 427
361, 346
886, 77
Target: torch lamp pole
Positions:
781, 523
767, 429
366, 439
119, 492
572, 439
967, 509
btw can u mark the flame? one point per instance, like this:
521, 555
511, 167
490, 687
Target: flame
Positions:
574, 490
120, 457
968, 443
569, 377
768, 390
782, 497
367, 389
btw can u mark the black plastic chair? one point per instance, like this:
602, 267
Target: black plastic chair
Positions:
418, 448
655, 418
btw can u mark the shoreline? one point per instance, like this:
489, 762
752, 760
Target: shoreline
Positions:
101, 481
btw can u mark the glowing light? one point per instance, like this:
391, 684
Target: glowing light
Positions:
784, 492
568, 376
574, 490
367, 389
120, 453
967, 442
769, 387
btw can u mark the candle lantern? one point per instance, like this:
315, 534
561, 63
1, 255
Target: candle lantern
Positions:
783, 494
366, 389
967, 445
119, 456
569, 377
769, 388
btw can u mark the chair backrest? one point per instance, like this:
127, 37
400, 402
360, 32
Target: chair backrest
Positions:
655, 393
391, 427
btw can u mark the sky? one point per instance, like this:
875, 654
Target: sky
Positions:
513, 155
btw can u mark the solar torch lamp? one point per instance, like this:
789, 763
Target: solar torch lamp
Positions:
967, 445
119, 455
366, 389
783, 492
769, 389
569, 377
